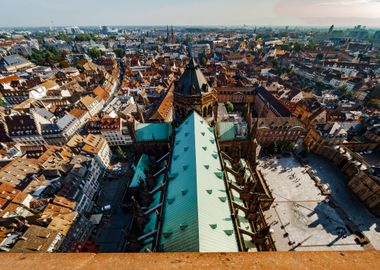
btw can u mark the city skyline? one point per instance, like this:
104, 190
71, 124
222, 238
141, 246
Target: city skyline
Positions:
210, 12
211, 126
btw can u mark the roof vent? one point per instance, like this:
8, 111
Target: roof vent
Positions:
223, 199
183, 226
178, 142
186, 148
212, 141
203, 133
219, 175
213, 226
207, 166
215, 155
184, 192
167, 234
210, 129
186, 134
204, 148
185, 167
202, 121
171, 200
209, 191
228, 232
175, 157
172, 175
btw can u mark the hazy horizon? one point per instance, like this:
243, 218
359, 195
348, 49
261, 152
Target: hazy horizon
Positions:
311, 13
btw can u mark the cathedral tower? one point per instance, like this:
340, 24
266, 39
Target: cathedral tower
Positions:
193, 93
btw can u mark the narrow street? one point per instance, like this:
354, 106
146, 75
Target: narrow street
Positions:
110, 233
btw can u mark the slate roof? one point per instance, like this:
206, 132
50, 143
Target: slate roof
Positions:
21, 125
275, 105
192, 81
11, 60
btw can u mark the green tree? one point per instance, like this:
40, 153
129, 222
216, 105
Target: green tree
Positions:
95, 53
3, 36
84, 37
63, 37
229, 106
119, 52
298, 47
289, 69
47, 57
312, 45
156, 48
275, 63
292, 147
319, 57
120, 153
203, 61
343, 89
188, 39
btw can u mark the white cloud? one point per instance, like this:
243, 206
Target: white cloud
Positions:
339, 9
347, 2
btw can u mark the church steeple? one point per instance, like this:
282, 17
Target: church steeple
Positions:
193, 93
172, 39
167, 34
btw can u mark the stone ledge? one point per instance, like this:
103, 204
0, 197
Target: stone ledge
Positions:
260, 260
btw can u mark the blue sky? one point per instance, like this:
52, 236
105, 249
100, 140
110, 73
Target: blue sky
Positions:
189, 12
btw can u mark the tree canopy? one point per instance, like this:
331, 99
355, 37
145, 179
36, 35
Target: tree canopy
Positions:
119, 52
84, 37
95, 53
343, 89
47, 57
63, 37
229, 106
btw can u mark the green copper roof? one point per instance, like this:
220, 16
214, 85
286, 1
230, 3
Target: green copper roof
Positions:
153, 132
151, 225
227, 131
140, 170
242, 221
197, 216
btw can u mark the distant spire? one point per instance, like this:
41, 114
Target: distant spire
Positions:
331, 28
172, 36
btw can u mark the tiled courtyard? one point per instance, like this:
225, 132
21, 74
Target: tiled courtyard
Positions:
301, 217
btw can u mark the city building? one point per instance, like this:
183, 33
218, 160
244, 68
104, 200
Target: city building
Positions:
266, 105
12, 63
